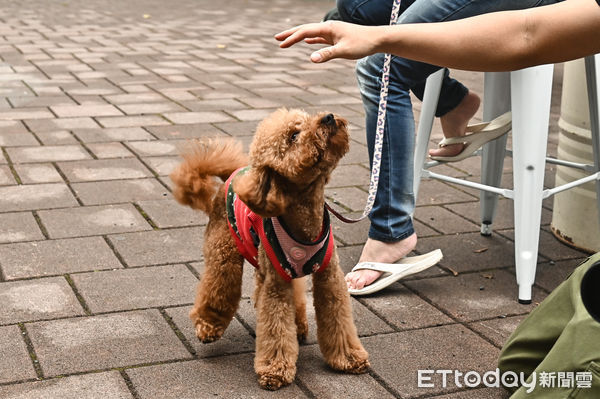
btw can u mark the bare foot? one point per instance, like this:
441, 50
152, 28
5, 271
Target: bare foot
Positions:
454, 124
379, 251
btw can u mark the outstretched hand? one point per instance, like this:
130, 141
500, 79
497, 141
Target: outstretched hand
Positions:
345, 40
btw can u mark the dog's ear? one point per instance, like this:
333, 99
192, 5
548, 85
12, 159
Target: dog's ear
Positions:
259, 190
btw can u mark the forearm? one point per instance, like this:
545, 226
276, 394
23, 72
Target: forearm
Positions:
500, 41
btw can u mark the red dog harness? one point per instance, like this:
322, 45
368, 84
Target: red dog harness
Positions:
290, 257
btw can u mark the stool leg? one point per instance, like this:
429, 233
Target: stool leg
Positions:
496, 101
592, 73
430, 101
531, 91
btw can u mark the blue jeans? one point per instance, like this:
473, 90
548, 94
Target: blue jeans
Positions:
394, 204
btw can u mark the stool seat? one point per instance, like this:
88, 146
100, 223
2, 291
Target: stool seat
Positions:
527, 93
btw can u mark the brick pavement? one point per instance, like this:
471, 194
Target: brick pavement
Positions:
98, 263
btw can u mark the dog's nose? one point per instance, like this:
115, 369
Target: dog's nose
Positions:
328, 119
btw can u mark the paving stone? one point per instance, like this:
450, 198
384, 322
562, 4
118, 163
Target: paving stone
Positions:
485, 393
14, 139
104, 169
251, 114
114, 134
168, 213
6, 177
42, 101
471, 251
160, 247
235, 340
504, 218
135, 98
482, 295
26, 113
193, 130
226, 377
163, 166
551, 275
69, 111
131, 121
59, 137
432, 192
157, 148
150, 108
16, 364
366, 322
42, 258
37, 299
396, 358
119, 191
108, 385
47, 153
38, 173
238, 128
445, 221
498, 330
102, 342
92, 220
109, 150
124, 289
404, 310
44, 125
349, 175
38, 196
324, 382
196, 117
20, 226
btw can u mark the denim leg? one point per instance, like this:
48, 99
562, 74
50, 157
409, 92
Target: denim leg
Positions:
394, 204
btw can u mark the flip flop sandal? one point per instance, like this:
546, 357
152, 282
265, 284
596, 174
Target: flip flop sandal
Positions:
393, 272
481, 133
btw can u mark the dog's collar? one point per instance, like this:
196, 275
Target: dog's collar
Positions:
290, 257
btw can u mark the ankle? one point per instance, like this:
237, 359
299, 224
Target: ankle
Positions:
387, 252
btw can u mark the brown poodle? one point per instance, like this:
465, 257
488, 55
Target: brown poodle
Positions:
291, 158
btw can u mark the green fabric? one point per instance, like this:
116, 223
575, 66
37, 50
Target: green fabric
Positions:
559, 336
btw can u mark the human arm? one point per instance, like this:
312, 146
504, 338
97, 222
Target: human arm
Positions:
491, 42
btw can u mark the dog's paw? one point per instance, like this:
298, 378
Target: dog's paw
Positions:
273, 381
207, 332
356, 362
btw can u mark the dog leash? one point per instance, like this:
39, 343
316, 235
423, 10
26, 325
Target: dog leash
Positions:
379, 132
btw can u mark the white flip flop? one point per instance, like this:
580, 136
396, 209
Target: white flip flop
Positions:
481, 133
393, 272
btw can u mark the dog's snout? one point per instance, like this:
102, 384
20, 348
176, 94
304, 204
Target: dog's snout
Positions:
328, 119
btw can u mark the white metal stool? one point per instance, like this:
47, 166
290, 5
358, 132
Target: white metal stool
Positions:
528, 92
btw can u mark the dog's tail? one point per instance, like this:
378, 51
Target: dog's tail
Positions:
194, 179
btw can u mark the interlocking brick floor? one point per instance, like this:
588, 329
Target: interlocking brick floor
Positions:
98, 264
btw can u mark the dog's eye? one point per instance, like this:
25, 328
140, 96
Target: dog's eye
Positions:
294, 136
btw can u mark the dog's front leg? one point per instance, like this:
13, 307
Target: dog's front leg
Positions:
276, 341
336, 332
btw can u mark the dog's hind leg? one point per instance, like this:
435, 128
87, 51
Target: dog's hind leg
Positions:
336, 332
299, 286
276, 341
220, 288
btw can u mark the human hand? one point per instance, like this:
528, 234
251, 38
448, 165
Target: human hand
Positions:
345, 40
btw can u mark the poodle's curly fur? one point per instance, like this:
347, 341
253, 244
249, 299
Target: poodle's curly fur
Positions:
291, 158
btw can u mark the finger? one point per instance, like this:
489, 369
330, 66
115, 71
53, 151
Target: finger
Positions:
324, 54
316, 40
284, 34
304, 32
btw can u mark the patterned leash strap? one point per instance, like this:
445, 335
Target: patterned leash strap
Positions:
377, 150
